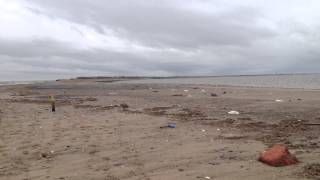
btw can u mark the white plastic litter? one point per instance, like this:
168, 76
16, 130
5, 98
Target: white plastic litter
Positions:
207, 177
233, 112
203, 130
186, 90
279, 100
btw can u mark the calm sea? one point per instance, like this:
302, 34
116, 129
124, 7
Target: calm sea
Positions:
304, 81
18, 82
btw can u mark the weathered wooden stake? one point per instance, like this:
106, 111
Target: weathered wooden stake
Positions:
53, 104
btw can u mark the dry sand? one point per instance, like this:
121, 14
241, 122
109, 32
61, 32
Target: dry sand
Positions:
93, 136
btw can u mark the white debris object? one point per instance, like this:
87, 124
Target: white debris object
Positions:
186, 90
203, 130
279, 100
207, 177
233, 112
203, 90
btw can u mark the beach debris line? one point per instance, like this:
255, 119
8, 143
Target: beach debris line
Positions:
177, 95
233, 112
277, 156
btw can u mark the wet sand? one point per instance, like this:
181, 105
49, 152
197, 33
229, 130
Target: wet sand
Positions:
94, 136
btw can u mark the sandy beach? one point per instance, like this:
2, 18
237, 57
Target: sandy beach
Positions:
112, 131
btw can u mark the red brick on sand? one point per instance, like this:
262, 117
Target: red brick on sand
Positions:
278, 155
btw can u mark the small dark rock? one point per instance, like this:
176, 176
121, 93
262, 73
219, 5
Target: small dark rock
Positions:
44, 155
213, 94
124, 106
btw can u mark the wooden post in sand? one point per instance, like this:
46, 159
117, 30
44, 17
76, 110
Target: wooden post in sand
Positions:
53, 103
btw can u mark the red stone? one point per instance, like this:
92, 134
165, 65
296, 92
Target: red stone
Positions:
278, 155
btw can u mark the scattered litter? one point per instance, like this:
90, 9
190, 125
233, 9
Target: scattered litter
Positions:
203, 90
186, 90
51, 152
279, 100
278, 155
203, 130
206, 177
170, 125
218, 129
233, 112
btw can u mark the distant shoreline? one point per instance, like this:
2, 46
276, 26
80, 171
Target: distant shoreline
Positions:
12, 82
174, 77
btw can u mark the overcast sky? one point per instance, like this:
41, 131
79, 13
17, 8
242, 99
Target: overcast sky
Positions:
49, 39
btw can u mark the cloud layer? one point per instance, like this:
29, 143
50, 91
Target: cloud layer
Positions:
45, 39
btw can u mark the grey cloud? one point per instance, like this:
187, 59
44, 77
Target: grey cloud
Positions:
163, 23
234, 41
47, 56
